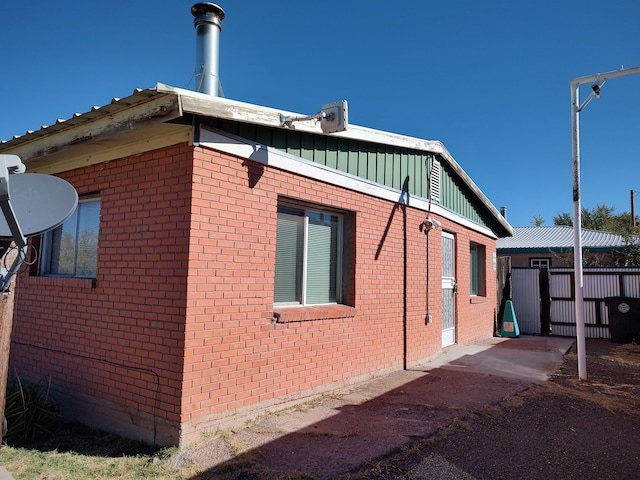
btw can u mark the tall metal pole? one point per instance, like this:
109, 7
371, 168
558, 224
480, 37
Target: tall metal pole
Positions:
633, 210
576, 108
577, 233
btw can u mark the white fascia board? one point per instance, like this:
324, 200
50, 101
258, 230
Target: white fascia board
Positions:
204, 104
208, 105
265, 155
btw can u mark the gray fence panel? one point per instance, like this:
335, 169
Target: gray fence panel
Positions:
631, 284
599, 283
526, 299
563, 312
560, 285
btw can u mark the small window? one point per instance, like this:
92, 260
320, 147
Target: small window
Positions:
477, 269
540, 262
71, 250
308, 256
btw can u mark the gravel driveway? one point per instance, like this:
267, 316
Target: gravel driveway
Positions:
563, 429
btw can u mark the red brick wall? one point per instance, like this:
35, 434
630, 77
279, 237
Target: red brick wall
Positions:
121, 340
237, 356
474, 311
179, 328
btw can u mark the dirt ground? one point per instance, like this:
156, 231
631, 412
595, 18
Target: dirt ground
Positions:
564, 428
483, 412
344, 429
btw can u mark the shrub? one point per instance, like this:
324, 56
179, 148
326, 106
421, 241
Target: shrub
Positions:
29, 412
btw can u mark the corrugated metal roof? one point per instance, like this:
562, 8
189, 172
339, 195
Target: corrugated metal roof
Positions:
138, 96
558, 237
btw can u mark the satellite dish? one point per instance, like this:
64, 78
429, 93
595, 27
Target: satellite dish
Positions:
40, 203
335, 117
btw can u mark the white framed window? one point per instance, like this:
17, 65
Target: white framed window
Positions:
71, 250
309, 249
540, 262
477, 269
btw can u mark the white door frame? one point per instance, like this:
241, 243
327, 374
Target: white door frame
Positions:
448, 289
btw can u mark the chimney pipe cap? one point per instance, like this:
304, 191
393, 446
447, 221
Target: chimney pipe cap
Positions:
207, 8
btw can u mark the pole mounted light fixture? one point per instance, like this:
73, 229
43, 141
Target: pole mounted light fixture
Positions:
576, 108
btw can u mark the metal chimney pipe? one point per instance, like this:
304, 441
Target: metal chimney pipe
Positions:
208, 25
503, 212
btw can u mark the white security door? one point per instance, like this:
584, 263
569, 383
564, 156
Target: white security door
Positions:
448, 290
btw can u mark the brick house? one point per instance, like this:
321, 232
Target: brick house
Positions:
221, 262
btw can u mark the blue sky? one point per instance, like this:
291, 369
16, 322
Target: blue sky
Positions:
489, 79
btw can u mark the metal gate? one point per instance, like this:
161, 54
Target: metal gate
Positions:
526, 299
531, 303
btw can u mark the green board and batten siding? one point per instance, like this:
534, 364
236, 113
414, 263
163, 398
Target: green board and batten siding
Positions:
384, 164
455, 197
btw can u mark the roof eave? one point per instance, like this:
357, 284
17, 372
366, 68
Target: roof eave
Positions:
164, 103
143, 108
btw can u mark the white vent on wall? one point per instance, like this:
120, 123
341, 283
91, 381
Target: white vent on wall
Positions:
434, 181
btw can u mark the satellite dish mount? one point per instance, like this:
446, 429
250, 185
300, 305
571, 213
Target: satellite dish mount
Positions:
41, 203
11, 163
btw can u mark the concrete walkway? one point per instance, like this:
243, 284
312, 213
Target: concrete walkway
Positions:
4, 475
341, 431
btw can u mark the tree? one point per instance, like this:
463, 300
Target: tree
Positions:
631, 254
537, 220
599, 218
67, 254
603, 218
86, 260
563, 219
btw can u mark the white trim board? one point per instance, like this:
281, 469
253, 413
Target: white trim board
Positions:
257, 152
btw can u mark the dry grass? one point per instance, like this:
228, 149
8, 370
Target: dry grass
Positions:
613, 380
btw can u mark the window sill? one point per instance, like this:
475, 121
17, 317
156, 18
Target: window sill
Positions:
473, 300
81, 283
317, 312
